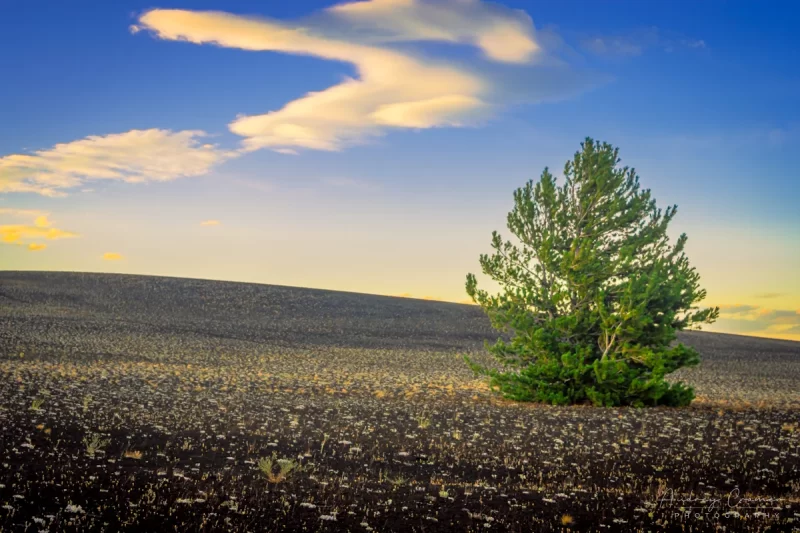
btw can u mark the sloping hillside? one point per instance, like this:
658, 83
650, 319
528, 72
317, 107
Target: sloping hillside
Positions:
132, 403
53, 314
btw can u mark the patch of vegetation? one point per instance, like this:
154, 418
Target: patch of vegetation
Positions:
285, 467
94, 443
36, 404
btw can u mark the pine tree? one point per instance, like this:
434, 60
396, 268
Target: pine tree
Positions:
594, 295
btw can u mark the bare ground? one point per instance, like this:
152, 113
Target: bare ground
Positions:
186, 384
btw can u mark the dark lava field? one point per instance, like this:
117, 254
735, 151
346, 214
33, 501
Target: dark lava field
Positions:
136, 403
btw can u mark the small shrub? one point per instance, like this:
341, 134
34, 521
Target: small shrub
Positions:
94, 443
36, 404
285, 468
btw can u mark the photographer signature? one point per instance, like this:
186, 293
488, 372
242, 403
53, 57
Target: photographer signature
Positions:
735, 504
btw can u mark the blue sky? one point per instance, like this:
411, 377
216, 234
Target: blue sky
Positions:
701, 98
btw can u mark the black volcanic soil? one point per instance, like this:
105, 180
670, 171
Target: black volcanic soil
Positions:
185, 385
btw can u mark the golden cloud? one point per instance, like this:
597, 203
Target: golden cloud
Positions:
41, 222
41, 228
112, 256
18, 232
210, 223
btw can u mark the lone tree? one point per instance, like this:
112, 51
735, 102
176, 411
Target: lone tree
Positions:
595, 293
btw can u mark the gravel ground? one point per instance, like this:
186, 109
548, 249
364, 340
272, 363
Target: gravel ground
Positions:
52, 316
390, 430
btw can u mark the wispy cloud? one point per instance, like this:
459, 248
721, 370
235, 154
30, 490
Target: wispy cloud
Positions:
502, 34
133, 156
112, 256
393, 89
753, 319
637, 42
737, 309
210, 223
769, 295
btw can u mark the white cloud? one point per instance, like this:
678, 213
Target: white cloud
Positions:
613, 46
393, 89
133, 156
636, 42
426, 113
502, 34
